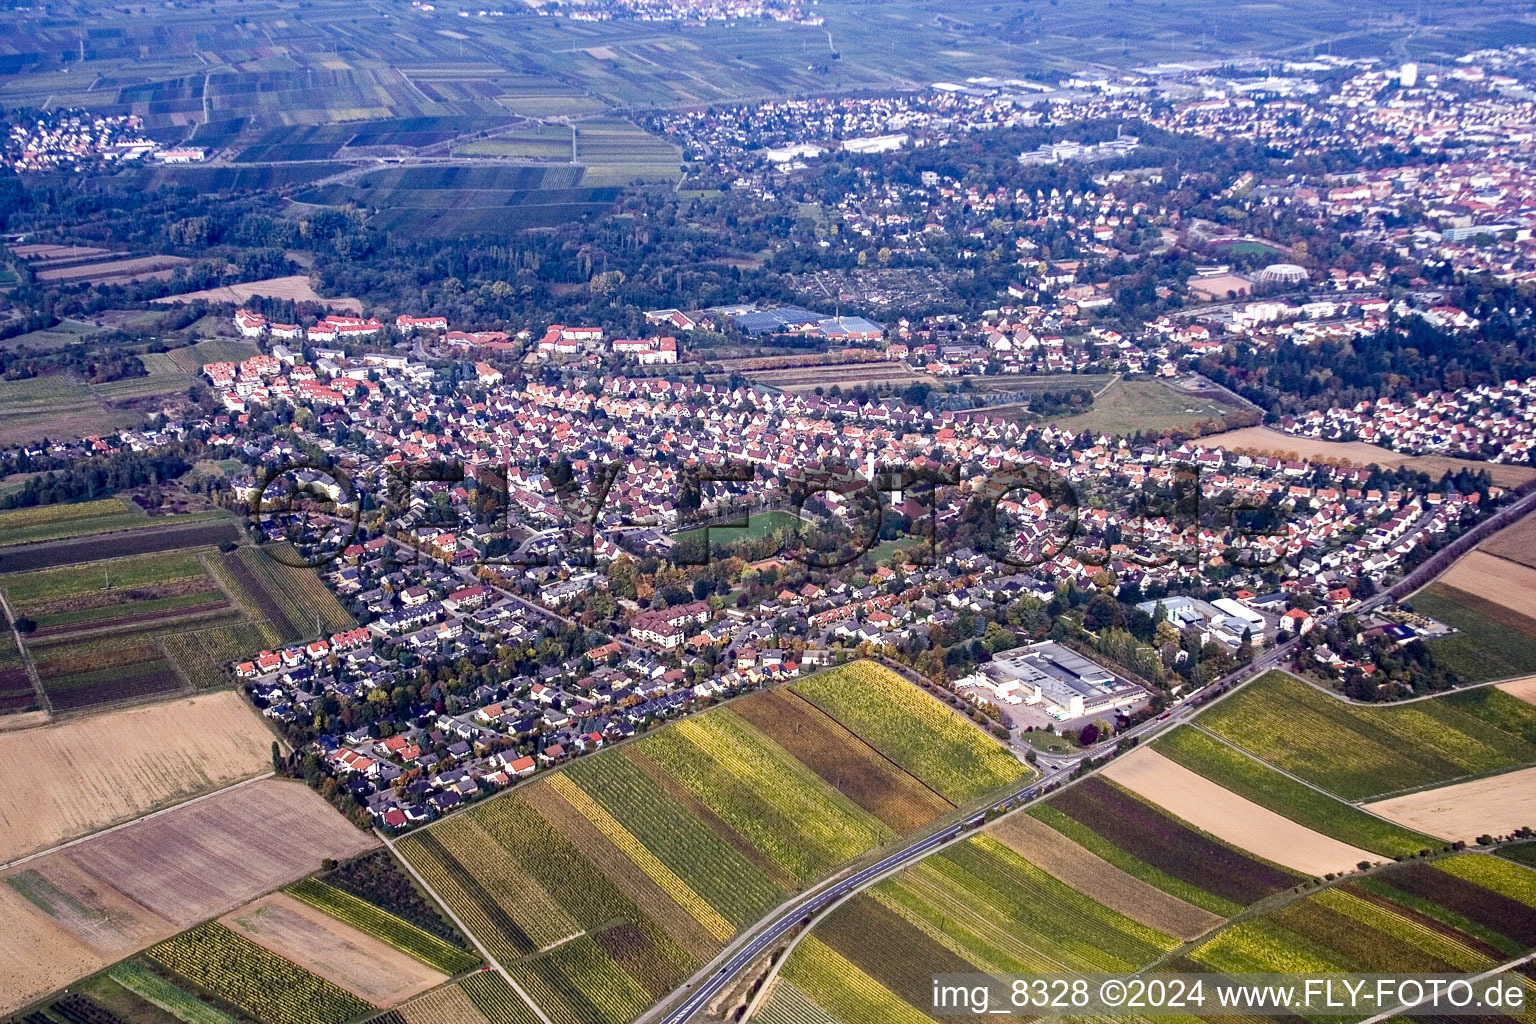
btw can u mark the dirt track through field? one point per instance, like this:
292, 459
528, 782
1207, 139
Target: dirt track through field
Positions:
1230, 817
1496, 805
361, 964
68, 779
1088, 873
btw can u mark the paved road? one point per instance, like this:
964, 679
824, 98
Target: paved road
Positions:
817, 900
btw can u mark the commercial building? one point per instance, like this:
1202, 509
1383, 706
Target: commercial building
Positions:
1066, 683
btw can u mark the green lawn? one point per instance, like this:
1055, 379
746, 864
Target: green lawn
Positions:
760, 525
1133, 405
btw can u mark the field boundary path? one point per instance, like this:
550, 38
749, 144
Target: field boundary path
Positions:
134, 821
26, 658
1489, 973
468, 933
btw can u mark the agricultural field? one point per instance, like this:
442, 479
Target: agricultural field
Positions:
1503, 581
295, 287
1492, 640
945, 751
292, 598
346, 956
445, 200
1231, 818
1132, 405
74, 911
98, 626
1256, 781
1363, 752
1148, 843
396, 932
57, 405
254, 979
482, 998
192, 358
17, 694
84, 540
1497, 805
603, 885
70, 778
1462, 913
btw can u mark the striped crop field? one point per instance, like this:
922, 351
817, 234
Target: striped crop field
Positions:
1257, 781
1363, 752
977, 907
366, 917
942, 749
602, 886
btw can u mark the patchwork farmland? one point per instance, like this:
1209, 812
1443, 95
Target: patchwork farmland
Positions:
74, 911
602, 886
1095, 879
1363, 752
70, 778
134, 626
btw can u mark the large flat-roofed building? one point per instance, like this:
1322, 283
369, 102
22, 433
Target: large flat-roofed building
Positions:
1068, 684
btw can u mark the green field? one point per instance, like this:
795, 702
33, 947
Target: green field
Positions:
1266, 787
759, 525
365, 917
949, 754
1135, 405
56, 522
638, 864
1363, 752
1491, 641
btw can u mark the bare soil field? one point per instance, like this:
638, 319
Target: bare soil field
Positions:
71, 913
445, 1006
1230, 817
1525, 689
295, 287
1086, 872
205, 858
1506, 583
68, 779
1496, 805
36, 957
1517, 543
1273, 442
358, 962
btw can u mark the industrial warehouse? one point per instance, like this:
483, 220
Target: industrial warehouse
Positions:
1065, 683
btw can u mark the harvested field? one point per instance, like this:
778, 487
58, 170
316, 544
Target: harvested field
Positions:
1497, 805
1525, 689
1267, 440
1500, 580
68, 779
295, 287
36, 956
1069, 863
841, 758
1230, 817
207, 857
1517, 543
445, 1006
115, 271
340, 954
73, 912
